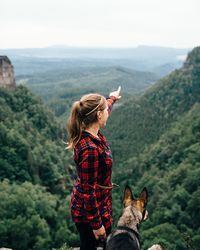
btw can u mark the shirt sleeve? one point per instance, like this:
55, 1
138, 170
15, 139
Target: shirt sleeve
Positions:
89, 163
110, 101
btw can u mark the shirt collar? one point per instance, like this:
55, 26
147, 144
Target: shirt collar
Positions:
94, 138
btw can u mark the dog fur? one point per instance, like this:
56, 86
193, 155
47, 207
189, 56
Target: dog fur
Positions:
126, 235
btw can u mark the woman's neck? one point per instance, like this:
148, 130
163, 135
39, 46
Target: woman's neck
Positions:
93, 129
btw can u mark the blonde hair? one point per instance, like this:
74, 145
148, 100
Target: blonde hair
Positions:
83, 114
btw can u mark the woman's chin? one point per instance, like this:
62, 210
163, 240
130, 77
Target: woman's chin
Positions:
103, 125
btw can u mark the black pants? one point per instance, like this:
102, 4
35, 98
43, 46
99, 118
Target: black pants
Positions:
87, 238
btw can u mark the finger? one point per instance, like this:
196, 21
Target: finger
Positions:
96, 236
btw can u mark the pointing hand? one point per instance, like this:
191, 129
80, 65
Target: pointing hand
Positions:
116, 93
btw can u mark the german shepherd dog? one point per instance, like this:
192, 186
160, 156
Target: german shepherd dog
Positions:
126, 235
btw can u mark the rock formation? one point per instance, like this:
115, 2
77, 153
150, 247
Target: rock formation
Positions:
6, 73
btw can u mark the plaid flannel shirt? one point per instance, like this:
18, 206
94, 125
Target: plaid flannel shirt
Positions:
93, 158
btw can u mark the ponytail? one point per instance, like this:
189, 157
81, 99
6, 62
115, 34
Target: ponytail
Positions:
83, 114
74, 126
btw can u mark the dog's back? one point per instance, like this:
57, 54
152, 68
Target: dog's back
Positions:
122, 241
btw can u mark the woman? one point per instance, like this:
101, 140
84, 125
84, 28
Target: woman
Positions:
91, 206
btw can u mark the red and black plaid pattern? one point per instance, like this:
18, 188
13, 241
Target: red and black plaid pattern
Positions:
93, 159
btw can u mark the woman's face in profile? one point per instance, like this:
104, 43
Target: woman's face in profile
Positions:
103, 117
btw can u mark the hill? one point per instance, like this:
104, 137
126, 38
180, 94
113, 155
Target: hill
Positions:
155, 138
29, 131
142, 120
168, 162
59, 88
142, 58
34, 174
170, 169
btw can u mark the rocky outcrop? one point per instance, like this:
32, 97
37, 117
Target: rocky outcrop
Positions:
5, 248
155, 247
7, 79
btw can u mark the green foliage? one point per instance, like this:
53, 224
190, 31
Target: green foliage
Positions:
64, 247
155, 139
31, 217
142, 120
168, 164
31, 147
166, 235
170, 170
59, 88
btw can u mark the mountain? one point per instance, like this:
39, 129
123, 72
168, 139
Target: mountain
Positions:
35, 174
81, 52
155, 138
142, 120
163, 154
29, 136
167, 68
170, 169
143, 58
60, 87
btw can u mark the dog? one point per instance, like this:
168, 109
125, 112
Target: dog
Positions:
126, 235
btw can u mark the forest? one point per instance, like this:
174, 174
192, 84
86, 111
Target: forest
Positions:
154, 134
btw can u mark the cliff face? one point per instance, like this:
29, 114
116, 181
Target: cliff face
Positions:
6, 73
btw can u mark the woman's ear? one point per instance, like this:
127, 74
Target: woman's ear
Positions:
99, 114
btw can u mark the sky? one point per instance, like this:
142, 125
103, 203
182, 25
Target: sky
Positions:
99, 23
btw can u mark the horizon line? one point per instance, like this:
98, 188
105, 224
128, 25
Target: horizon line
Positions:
62, 46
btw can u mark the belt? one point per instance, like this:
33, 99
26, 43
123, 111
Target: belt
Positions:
108, 187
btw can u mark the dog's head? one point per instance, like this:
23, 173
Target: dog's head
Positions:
139, 204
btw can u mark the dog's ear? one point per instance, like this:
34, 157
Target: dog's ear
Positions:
128, 196
144, 195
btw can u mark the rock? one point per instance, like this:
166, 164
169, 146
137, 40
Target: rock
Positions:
77, 248
4, 248
155, 247
7, 79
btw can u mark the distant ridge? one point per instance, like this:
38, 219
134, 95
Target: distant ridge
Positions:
159, 60
97, 52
